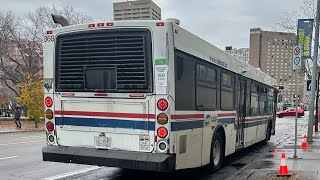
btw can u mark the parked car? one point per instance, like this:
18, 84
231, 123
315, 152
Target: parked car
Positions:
290, 112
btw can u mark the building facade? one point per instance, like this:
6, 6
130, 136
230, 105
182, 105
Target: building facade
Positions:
241, 53
272, 53
136, 10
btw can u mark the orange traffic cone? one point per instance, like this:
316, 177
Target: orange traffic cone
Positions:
283, 166
304, 144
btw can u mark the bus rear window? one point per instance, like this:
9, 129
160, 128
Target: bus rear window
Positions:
100, 79
106, 60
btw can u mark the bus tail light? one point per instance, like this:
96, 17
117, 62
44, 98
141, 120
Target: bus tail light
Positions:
110, 24
162, 118
49, 32
49, 114
49, 126
162, 132
48, 101
162, 104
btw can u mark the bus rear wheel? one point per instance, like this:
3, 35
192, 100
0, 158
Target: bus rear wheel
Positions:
217, 152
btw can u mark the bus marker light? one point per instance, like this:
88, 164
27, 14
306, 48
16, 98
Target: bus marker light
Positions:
100, 24
162, 104
48, 102
136, 95
91, 25
67, 94
162, 118
49, 126
101, 94
162, 132
49, 114
160, 23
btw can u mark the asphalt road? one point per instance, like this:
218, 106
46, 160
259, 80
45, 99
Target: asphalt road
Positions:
20, 158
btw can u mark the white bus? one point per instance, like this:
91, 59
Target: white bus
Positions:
149, 95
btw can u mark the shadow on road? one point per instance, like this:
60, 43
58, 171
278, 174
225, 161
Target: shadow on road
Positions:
196, 173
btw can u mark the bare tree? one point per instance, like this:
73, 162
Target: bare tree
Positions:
40, 19
21, 42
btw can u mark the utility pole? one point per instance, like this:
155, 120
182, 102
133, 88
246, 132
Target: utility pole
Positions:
314, 74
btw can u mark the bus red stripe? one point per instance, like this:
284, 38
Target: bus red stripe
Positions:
106, 114
254, 119
226, 114
186, 116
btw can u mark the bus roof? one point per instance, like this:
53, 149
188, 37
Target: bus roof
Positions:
198, 47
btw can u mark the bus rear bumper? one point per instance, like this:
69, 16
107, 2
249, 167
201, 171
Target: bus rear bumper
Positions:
122, 159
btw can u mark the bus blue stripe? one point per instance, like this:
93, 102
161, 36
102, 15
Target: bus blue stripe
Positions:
130, 124
178, 126
126, 124
227, 120
108, 123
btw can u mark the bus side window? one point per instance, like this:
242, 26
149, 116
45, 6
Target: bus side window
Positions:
206, 88
254, 111
185, 82
179, 67
227, 91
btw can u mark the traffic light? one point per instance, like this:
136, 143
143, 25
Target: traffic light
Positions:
281, 87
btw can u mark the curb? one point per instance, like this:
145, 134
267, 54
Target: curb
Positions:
22, 131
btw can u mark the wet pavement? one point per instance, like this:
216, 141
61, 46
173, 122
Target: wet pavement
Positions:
255, 162
306, 166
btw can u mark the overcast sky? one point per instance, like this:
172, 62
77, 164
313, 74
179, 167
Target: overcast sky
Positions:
221, 22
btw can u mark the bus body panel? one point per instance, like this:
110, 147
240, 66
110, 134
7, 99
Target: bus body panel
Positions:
118, 119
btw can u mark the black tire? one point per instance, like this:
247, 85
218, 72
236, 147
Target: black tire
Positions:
280, 115
300, 115
216, 163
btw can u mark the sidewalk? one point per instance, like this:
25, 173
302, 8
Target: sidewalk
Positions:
27, 126
307, 166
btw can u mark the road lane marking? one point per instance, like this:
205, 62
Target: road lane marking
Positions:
73, 173
25, 137
23, 142
10, 157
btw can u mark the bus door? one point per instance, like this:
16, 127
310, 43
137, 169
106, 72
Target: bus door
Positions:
241, 111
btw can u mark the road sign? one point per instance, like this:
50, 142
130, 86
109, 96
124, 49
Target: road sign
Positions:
296, 57
309, 85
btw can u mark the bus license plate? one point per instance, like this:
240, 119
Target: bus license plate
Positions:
104, 142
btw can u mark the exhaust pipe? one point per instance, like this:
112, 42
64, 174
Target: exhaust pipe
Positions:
60, 20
